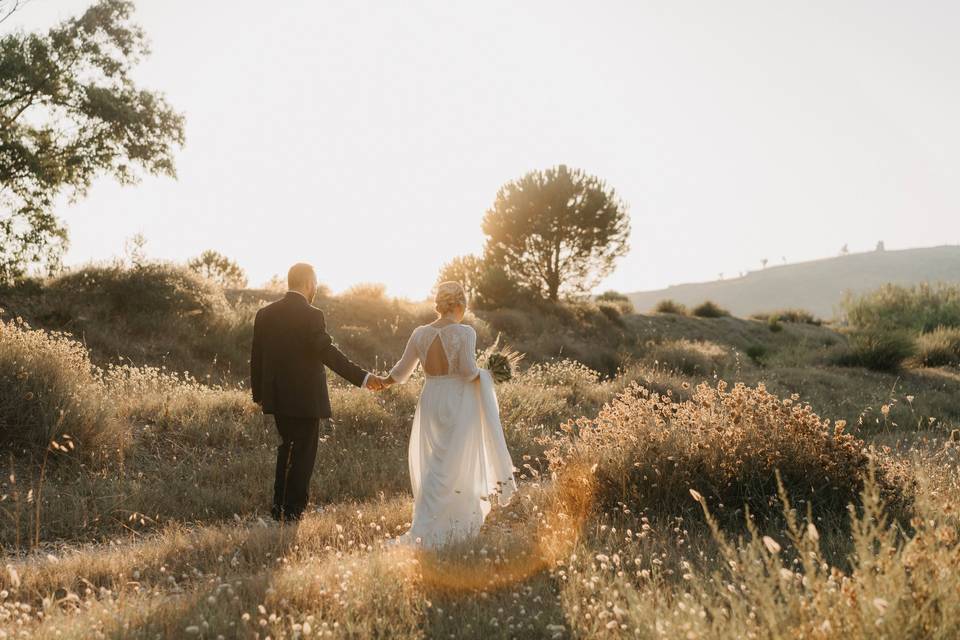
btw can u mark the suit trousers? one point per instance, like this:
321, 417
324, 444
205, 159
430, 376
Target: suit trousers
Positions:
296, 456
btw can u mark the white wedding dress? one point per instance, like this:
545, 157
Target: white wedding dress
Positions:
458, 456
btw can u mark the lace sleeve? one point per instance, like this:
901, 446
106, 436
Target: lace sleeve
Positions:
468, 355
408, 361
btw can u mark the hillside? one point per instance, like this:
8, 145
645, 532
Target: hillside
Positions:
148, 518
817, 286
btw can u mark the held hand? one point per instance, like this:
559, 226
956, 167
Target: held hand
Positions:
376, 383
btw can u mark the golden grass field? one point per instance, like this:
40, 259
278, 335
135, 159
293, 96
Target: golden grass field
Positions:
718, 478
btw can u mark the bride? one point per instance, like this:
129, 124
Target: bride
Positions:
458, 456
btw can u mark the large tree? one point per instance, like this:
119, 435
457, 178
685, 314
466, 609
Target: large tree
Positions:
69, 112
557, 231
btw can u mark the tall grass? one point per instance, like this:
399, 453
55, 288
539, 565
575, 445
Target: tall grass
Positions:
940, 347
49, 388
920, 308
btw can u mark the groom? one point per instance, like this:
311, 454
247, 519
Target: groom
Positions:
287, 374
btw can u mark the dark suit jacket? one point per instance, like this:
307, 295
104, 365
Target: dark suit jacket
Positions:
290, 348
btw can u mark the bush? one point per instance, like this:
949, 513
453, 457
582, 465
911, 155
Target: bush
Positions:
670, 306
691, 358
146, 298
795, 316
153, 313
939, 348
774, 324
878, 350
648, 452
757, 352
48, 389
616, 299
613, 312
710, 310
921, 308
217, 267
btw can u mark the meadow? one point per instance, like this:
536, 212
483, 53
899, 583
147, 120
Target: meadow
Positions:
683, 474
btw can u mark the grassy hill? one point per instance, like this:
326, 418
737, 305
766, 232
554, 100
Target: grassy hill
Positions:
817, 286
626, 430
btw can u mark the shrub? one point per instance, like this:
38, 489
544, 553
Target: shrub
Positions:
921, 308
757, 352
648, 452
147, 298
48, 388
670, 306
879, 350
774, 324
795, 316
613, 313
710, 309
153, 313
617, 300
369, 290
940, 347
217, 267
691, 358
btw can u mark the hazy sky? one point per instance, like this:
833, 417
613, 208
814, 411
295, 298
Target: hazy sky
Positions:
369, 138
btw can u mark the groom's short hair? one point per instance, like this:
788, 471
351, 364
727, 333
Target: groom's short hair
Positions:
300, 276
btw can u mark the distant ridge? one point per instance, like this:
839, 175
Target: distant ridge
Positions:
817, 286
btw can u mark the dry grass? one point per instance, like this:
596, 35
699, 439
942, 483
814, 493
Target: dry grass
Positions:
160, 535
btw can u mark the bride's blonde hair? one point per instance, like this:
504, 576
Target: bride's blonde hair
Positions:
450, 295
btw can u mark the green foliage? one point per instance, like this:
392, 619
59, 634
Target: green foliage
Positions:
556, 231
939, 348
467, 270
774, 324
920, 308
501, 361
616, 300
70, 111
710, 309
217, 267
670, 306
757, 352
877, 349
487, 284
49, 389
796, 316
148, 298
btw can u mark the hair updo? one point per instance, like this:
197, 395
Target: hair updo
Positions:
450, 295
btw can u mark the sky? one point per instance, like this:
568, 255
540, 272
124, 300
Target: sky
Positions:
369, 138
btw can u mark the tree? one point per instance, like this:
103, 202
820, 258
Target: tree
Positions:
467, 270
486, 284
215, 266
881, 246
7, 7
70, 112
556, 231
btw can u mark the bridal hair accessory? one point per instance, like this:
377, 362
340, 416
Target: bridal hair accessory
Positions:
450, 295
